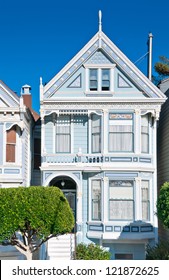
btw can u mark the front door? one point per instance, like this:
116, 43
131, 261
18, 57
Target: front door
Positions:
71, 197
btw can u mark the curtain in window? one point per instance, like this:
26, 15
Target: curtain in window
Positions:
96, 134
145, 200
120, 138
63, 144
96, 200
121, 204
145, 134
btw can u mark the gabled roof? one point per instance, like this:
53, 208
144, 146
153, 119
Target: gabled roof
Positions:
8, 97
101, 42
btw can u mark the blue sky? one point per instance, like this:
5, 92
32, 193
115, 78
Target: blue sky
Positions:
37, 38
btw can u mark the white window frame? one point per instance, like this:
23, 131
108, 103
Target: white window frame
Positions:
122, 199
148, 133
91, 204
147, 200
99, 68
121, 122
18, 146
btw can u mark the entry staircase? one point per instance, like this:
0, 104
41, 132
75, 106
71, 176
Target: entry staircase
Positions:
61, 247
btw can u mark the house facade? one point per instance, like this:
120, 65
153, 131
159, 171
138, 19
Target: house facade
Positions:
98, 144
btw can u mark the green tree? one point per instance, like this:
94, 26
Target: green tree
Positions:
162, 68
33, 213
158, 252
163, 205
91, 252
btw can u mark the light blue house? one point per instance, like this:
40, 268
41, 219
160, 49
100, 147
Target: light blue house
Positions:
98, 144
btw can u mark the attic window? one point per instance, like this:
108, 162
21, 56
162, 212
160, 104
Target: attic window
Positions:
99, 79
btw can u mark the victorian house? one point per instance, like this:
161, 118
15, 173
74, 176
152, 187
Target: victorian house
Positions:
17, 119
99, 119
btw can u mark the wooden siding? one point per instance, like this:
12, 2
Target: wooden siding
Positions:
80, 133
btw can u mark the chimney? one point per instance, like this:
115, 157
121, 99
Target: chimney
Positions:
27, 97
150, 56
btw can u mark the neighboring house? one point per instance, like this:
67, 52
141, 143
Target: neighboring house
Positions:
16, 122
98, 144
163, 147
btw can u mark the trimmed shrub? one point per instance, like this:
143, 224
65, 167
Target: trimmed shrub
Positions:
91, 252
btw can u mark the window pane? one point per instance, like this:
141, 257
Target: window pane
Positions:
96, 200
121, 200
121, 210
63, 136
145, 134
121, 133
105, 79
96, 134
145, 200
11, 144
93, 79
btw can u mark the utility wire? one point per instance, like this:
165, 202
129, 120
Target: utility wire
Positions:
141, 58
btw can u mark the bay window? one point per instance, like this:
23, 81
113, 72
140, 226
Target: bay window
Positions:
121, 200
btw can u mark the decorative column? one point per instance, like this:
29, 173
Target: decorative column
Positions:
137, 132
137, 199
105, 199
105, 129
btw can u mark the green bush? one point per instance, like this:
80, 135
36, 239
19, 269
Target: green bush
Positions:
158, 252
163, 205
91, 252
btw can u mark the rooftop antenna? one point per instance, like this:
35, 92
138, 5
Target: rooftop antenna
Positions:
100, 21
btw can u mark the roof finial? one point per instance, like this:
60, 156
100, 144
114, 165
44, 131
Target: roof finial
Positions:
100, 20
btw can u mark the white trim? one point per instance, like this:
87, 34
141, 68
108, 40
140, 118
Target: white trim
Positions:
95, 66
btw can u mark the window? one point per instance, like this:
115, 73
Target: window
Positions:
96, 200
121, 203
37, 153
93, 79
99, 79
145, 134
120, 133
105, 79
145, 200
96, 134
11, 145
63, 135
122, 256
